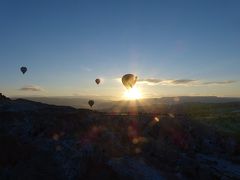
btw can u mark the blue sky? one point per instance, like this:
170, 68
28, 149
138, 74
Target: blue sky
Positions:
67, 44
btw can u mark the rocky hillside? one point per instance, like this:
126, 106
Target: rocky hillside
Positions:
40, 141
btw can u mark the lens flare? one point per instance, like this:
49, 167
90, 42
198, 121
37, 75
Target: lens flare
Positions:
156, 119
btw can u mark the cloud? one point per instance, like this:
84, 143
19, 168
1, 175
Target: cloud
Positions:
219, 82
31, 88
152, 81
183, 81
84, 68
186, 82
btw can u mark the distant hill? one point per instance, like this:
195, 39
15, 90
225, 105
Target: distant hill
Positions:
147, 103
76, 102
156, 104
19, 105
200, 99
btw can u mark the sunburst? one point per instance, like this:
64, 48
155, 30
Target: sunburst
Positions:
133, 94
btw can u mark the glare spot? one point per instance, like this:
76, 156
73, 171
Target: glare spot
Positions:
55, 137
171, 115
156, 119
132, 94
135, 140
138, 150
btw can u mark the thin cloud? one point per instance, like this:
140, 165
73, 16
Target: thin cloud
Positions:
86, 69
185, 82
31, 88
152, 81
219, 82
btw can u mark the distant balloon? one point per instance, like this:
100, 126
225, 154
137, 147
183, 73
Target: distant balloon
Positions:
23, 69
129, 80
97, 81
91, 103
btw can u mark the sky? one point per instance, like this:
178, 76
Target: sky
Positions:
176, 48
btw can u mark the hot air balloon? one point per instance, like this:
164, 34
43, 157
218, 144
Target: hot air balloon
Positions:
129, 80
23, 69
91, 103
97, 81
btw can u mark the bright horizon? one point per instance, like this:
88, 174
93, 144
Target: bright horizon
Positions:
175, 48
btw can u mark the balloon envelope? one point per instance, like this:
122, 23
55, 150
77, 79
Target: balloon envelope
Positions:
23, 69
91, 103
97, 81
129, 80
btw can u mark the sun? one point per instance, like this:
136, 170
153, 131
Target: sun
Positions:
132, 94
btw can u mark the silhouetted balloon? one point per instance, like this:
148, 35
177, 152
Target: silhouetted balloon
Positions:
91, 103
23, 69
129, 80
97, 81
